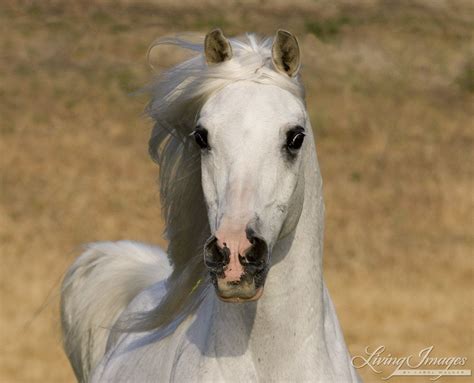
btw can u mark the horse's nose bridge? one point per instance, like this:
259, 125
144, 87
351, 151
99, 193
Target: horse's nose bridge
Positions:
240, 192
238, 202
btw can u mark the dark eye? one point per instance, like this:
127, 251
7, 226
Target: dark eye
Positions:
295, 138
200, 136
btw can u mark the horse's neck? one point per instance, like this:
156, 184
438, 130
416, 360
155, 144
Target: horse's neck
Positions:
286, 325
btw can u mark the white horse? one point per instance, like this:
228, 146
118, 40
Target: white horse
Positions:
242, 199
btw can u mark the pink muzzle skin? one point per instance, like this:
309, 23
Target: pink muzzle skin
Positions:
238, 245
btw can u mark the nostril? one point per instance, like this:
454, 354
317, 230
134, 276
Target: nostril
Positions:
255, 256
215, 257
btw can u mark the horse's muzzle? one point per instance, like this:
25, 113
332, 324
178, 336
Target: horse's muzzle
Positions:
252, 265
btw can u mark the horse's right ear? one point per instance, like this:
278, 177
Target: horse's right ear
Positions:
286, 53
216, 47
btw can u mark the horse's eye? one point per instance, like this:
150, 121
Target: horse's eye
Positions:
295, 138
200, 135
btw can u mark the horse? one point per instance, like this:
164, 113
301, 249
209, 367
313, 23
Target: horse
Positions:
239, 296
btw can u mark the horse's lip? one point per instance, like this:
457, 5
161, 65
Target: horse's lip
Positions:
258, 294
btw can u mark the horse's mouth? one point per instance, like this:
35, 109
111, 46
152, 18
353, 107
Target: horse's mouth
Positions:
240, 299
249, 288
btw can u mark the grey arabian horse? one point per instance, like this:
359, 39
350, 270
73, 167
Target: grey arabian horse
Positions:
240, 295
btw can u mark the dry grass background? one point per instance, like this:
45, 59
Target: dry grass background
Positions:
390, 90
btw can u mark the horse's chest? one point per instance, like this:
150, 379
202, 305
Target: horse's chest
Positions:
204, 363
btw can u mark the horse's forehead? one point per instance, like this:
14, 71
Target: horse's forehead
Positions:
248, 103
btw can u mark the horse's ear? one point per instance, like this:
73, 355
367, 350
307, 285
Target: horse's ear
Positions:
286, 53
216, 47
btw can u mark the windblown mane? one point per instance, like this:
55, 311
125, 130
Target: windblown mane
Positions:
176, 99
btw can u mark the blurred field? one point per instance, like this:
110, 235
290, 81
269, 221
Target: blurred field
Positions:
390, 89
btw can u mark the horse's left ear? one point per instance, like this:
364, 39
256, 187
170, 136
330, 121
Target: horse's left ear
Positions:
216, 47
286, 53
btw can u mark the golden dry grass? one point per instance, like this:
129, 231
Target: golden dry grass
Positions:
390, 93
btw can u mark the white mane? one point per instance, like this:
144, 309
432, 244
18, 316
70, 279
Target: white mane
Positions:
177, 97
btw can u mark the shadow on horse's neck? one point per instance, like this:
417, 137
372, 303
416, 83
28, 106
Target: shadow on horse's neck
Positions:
293, 298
